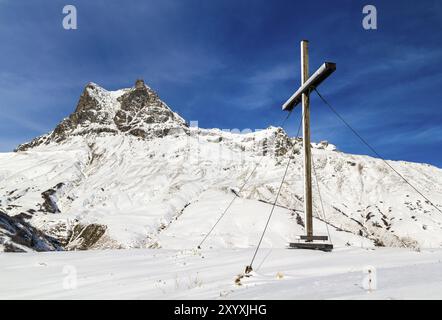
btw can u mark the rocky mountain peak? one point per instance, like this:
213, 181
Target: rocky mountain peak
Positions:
139, 84
137, 111
141, 108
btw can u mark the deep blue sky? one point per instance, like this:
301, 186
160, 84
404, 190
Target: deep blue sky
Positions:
231, 64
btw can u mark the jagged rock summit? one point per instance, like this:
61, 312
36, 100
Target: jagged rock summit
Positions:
136, 111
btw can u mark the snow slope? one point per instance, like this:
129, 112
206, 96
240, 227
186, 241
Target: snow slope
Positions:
210, 274
125, 171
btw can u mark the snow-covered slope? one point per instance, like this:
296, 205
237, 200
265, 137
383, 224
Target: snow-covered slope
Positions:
125, 171
210, 274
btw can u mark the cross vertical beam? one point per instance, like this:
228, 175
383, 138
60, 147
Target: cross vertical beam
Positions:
302, 95
308, 202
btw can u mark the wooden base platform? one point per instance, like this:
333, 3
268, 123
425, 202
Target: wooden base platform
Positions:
311, 245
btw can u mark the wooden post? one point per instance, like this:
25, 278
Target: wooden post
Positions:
302, 94
308, 203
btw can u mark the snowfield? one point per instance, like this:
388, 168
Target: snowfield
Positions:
210, 274
135, 193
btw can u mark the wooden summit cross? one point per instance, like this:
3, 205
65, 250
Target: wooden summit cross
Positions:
303, 94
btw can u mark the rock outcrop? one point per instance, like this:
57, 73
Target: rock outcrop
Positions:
16, 235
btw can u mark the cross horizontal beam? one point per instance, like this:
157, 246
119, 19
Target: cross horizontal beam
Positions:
315, 80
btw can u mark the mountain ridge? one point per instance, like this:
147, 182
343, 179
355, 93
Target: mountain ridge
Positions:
125, 171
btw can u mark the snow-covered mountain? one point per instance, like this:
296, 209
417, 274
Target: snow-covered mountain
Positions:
125, 171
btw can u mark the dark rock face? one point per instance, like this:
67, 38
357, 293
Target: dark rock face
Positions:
278, 144
45, 139
89, 110
137, 111
83, 237
15, 234
49, 204
282, 143
139, 84
141, 107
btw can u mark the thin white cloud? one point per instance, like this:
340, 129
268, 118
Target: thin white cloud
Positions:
258, 89
25, 122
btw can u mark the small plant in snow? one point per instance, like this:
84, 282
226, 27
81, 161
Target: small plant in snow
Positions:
195, 282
